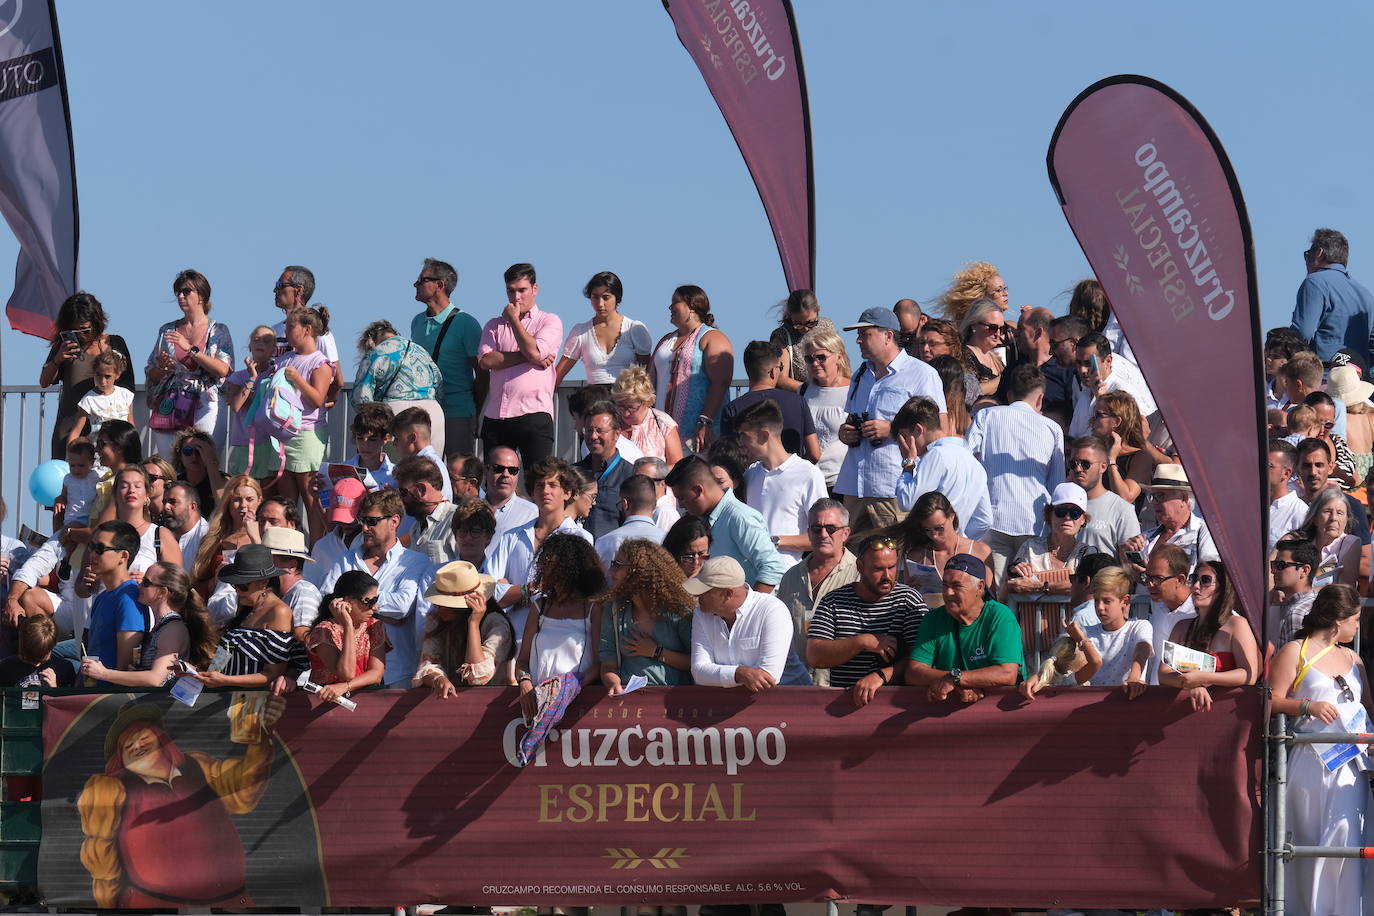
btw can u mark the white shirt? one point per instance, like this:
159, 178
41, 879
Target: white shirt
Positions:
759, 638
666, 512
1162, 622
101, 407
514, 513
636, 526
303, 598
81, 492
326, 552
603, 368
1125, 377
401, 582
1285, 514
512, 556
1023, 455
784, 496
948, 466
190, 543
872, 472
1193, 537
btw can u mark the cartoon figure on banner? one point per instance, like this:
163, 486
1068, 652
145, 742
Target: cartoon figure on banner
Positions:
156, 822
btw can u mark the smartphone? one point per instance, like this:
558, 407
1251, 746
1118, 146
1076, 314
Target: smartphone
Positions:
1135, 557
1097, 367
71, 337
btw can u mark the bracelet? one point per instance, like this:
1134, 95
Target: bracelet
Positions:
881, 676
524, 677
1302, 710
704, 420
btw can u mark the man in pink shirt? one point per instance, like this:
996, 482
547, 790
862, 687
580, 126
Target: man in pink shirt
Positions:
519, 349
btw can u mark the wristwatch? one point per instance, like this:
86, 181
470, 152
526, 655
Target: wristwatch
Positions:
194, 350
955, 675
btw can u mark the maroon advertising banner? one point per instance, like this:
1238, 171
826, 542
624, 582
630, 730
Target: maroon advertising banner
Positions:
1155, 205
749, 55
681, 795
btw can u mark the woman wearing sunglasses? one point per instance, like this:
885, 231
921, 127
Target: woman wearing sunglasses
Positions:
983, 330
348, 644
259, 637
1321, 686
196, 463
688, 542
1220, 631
1044, 565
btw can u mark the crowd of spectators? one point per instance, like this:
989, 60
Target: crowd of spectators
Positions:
857, 520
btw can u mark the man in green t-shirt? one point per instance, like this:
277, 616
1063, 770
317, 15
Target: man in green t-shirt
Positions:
968, 645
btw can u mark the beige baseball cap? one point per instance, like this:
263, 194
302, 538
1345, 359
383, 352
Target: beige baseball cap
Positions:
717, 572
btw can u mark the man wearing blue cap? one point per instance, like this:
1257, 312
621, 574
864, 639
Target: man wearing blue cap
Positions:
968, 645
887, 378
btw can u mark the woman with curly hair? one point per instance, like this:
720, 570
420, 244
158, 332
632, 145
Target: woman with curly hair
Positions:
561, 632
978, 280
646, 426
646, 624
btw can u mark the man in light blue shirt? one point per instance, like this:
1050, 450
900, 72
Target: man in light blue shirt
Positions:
886, 380
450, 335
736, 529
638, 497
1332, 311
932, 460
1023, 455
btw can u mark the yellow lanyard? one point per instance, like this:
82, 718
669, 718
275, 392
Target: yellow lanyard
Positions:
1304, 665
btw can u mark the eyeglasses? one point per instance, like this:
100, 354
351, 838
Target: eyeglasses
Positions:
1347, 695
1070, 512
1064, 340
1103, 415
816, 357
600, 430
996, 290
1281, 565
368, 602
425, 280
1079, 464
97, 548
82, 329
371, 521
1156, 581
1204, 581
693, 557
510, 469
828, 529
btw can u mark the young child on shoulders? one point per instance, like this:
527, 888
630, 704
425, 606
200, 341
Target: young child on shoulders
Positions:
106, 400
74, 504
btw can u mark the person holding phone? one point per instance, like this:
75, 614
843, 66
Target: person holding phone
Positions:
189, 360
80, 337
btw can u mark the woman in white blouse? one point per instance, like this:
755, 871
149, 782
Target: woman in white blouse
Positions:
610, 342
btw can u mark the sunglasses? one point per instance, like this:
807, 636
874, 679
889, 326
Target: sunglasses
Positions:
242, 586
371, 521
990, 328
1103, 415
1156, 581
425, 280
278, 286
880, 544
1281, 565
149, 583
1079, 464
1347, 695
1204, 581
510, 469
156, 478
828, 529
1069, 512
369, 602
97, 548
693, 557
816, 357
188, 450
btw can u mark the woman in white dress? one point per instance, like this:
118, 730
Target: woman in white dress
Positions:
1321, 686
562, 631
610, 342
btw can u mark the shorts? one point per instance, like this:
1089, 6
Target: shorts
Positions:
266, 460
305, 452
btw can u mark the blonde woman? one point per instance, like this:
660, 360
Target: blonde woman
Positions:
652, 430
827, 386
978, 280
983, 330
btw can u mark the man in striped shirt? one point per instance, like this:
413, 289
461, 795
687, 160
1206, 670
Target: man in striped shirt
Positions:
860, 628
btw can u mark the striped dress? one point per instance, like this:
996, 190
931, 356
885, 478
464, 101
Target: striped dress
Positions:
252, 649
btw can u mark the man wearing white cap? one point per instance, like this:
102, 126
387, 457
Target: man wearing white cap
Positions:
887, 379
740, 637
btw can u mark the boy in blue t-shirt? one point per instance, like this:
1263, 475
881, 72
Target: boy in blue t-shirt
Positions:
117, 621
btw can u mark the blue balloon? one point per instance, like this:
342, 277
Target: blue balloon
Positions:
45, 483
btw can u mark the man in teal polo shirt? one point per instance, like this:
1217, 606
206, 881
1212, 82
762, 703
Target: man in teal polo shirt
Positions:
968, 645
451, 336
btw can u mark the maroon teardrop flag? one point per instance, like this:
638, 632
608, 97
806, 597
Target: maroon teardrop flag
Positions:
37, 173
748, 53
1155, 205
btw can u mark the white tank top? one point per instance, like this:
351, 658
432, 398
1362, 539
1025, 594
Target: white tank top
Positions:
561, 646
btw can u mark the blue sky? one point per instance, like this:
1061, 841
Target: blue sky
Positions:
358, 138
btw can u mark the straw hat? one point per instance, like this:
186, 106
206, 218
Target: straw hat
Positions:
286, 542
1169, 477
454, 581
1346, 386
